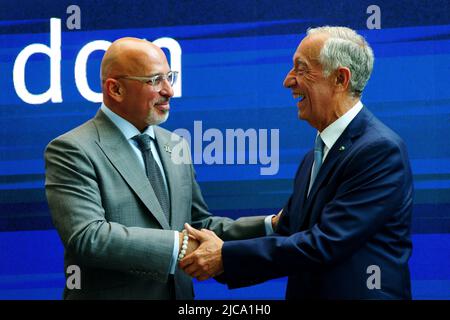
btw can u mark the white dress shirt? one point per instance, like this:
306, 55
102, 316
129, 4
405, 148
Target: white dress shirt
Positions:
331, 134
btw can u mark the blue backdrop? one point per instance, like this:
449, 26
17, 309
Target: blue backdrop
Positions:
235, 55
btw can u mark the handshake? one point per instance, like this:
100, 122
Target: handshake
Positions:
203, 257
203, 252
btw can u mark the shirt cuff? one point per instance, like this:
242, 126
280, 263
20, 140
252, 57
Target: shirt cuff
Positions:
176, 246
268, 224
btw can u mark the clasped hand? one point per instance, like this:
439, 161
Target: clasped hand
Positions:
203, 259
206, 261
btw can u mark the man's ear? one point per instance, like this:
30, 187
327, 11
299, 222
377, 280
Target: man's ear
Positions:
343, 76
114, 89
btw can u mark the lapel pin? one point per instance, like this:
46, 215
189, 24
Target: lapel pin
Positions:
341, 148
167, 148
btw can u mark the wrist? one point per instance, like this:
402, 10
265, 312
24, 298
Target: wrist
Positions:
184, 240
274, 223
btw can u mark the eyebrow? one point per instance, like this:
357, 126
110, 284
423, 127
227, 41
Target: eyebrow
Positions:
301, 63
154, 74
160, 73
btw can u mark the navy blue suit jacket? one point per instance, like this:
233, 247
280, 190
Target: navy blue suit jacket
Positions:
357, 216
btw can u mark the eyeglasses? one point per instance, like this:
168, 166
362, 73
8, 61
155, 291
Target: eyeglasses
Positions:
155, 81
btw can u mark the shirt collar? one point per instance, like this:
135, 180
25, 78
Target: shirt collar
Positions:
127, 129
331, 133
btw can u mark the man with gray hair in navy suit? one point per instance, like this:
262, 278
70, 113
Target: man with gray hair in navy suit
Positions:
344, 233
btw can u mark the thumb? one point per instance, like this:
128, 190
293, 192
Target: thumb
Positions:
197, 234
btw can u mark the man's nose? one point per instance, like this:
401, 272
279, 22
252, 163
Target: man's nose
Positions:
167, 89
289, 81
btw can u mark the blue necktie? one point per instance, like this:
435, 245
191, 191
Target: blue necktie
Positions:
318, 156
154, 173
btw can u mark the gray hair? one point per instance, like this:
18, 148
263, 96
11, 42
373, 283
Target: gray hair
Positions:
346, 48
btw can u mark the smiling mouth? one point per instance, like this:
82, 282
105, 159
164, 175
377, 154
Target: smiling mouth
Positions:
163, 107
299, 97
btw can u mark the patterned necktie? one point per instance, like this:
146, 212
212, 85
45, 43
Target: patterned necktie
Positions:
154, 173
318, 156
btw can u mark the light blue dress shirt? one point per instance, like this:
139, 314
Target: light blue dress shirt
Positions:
129, 131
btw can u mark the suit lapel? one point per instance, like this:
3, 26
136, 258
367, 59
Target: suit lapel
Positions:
341, 147
119, 152
299, 214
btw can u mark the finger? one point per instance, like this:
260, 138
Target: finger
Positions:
210, 233
197, 273
203, 277
194, 232
192, 237
186, 261
192, 270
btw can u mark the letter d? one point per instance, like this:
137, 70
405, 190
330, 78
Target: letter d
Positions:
54, 52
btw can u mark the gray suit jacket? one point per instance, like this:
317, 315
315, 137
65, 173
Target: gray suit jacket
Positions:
110, 221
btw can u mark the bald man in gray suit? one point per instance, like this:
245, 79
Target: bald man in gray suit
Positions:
108, 212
